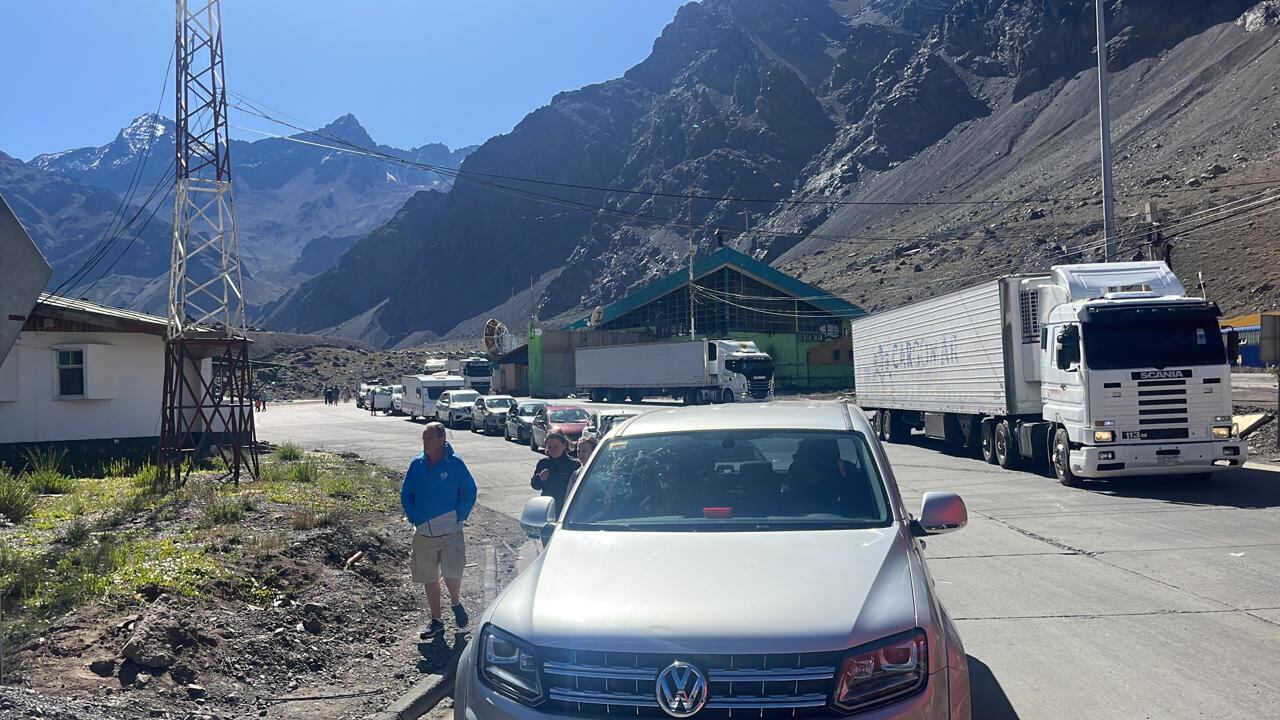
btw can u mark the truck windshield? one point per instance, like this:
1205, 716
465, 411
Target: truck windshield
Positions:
751, 367
744, 480
1154, 343
477, 370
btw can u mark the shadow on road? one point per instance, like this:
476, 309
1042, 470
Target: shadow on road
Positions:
989, 700
1242, 488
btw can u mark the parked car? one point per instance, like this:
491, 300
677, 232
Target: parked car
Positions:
489, 413
362, 394
602, 421
520, 419
802, 494
569, 418
378, 398
454, 407
397, 399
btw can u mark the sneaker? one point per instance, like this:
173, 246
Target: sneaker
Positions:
460, 616
435, 628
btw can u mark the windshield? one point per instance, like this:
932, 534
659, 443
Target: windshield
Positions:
477, 370
762, 367
460, 398
530, 408
731, 480
499, 403
569, 415
1155, 342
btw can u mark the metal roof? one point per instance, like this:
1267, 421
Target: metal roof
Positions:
748, 416
58, 302
745, 264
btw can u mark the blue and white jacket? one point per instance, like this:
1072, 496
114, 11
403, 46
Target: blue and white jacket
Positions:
430, 491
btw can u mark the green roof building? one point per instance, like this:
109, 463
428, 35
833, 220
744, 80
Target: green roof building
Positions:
803, 328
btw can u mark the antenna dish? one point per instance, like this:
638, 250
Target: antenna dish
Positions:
497, 339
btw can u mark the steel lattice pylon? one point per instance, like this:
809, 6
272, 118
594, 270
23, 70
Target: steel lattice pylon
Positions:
208, 381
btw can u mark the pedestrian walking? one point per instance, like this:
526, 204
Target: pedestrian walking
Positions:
438, 494
551, 476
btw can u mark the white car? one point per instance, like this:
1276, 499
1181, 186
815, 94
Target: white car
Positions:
753, 559
454, 407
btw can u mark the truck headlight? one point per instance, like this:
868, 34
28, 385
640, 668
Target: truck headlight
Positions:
1222, 432
1104, 436
510, 666
882, 672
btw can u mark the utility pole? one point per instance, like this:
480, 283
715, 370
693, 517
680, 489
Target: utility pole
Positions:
207, 378
1104, 126
693, 328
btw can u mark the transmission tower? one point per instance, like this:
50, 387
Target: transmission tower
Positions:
207, 384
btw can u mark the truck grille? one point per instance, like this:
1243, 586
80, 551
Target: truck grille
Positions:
1162, 409
591, 683
760, 387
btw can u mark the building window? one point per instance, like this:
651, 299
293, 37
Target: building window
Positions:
70, 373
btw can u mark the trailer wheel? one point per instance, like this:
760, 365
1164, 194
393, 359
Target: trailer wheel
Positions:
896, 430
617, 397
989, 441
880, 427
691, 397
1006, 455
636, 396
1061, 458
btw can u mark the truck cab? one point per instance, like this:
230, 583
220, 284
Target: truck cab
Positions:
742, 368
1133, 375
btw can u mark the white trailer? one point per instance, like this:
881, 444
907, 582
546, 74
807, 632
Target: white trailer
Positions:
697, 371
422, 391
1099, 370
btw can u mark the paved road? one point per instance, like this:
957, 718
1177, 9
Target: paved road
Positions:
1138, 599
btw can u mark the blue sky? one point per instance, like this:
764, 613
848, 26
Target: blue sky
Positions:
73, 72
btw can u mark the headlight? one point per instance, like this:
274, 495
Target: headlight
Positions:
510, 666
1222, 432
1101, 436
882, 672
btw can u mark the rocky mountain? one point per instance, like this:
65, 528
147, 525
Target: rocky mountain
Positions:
979, 115
67, 219
298, 206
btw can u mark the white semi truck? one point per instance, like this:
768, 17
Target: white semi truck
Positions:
696, 371
477, 371
1098, 370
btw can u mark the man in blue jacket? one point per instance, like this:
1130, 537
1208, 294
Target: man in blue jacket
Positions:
438, 494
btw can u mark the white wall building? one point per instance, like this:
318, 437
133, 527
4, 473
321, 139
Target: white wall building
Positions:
83, 372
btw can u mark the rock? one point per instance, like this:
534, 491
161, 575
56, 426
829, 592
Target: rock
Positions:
143, 680
195, 691
917, 268
1261, 16
314, 608
1213, 171
1193, 182
105, 667
313, 625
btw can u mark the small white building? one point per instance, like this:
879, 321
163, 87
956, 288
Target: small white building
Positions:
83, 374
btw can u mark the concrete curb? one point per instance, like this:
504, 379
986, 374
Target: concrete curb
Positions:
424, 695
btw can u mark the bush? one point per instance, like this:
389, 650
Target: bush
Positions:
222, 511
45, 460
339, 487
147, 478
49, 482
307, 471
17, 501
77, 533
310, 518
289, 451
119, 467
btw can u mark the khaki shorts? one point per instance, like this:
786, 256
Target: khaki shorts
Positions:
434, 556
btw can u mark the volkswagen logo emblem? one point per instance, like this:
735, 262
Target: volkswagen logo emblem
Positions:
682, 690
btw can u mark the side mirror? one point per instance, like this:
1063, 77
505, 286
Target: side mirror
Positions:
941, 513
539, 517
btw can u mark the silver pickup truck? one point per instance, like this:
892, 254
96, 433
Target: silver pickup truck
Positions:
747, 561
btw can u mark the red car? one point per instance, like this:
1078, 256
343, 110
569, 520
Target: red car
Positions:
569, 418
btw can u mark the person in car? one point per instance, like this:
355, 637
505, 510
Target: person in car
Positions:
552, 475
819, 477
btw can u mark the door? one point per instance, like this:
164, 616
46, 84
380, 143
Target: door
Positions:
1061, 385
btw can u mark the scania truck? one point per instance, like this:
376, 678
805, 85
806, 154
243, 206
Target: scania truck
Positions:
696, 371
1096, 370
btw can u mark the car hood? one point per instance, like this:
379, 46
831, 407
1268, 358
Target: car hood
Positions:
713, 592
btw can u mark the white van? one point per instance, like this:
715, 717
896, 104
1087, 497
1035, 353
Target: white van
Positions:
422, 391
